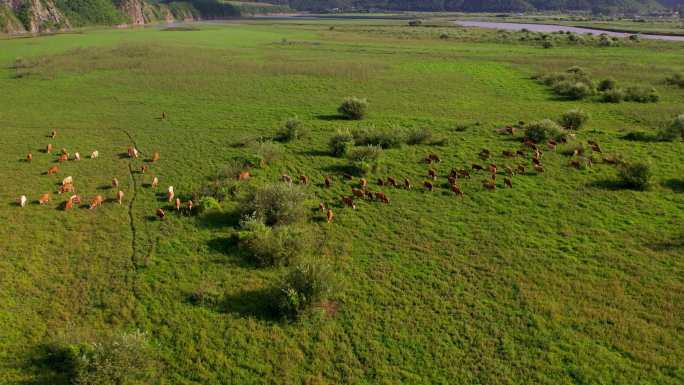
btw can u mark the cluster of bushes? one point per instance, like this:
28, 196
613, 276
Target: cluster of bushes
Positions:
549, 40
575, 83
674, 130
344, 141
675, 80
365, 159
271, 246
293, 129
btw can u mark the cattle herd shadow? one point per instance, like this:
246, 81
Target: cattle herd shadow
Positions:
676, 185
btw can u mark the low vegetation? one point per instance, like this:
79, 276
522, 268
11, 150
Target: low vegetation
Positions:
574, 119
275, 204
305, 285
353, 108
636, 175
272, 246
544, 130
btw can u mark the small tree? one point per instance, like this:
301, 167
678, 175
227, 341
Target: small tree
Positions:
341, 143
543, 130
275, 204
353, 108
635, 175
574, 119
305, 285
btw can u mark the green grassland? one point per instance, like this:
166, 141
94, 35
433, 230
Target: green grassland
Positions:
562, 279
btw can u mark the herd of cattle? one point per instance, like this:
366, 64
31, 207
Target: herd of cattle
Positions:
67, 184
362, 192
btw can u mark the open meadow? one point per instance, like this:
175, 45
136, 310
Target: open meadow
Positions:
568, 277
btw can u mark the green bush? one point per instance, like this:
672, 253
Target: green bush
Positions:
547, 44
353, 108
278, 246
207, 203
543, 130
265, 153
574, 119
573, 90
613, 96
419, 136
275, 204
635, 175
607, 84
292, 130
385, 138
305, 285
118, 359
642, 94
341, 143
364, 160
674, 130
676, 80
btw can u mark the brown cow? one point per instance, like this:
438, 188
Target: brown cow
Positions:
369, 195
155, 182
170, 195
321, 207
303, 179
428, 186
95, 202
53, 170
463, 173
363, 183
29, 157
190, 205
161, 214
76, 199
509, 153
44, 199
457, 190
521, 153
536, 161
595, 147
349, 201
63, 158
509, 170
508, 182
521, 169
63, 151
381, 182
358, 193
328, 181
65, 188
391, 181
492, 169
119, 196
407, 184
485, 154
177, 204
329, 215
432, 174
144, 169
53, 134
538, 168
244, 175
489, 184
155, 157
286, 178
382, 197
48, 149
477, 167
115, 183
68, 205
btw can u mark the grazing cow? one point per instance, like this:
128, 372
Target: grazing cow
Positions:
95, 202
44, 199
115, 183
508, 153
456, 189
303, 179
509, 170
477, 167
94, 154
119, 196
53, 134
381, 182
382, 197
536, 161
170, 195
489, 184
170, 189
329, 215
29, 157
485, 154
349, 201
63, 158
538, 168
453, 173
189, 205
358, 193
161, 214
551, 145
595, 147
578, 151
65, 188
132, 152
76, 199
391, 181
53, 170
369, 195
321, 207
67, 180
492, 169
77, 156
452, 180
576, 163
434, 158
68, 205
428, 186
463, 173
610, 160
530, 143
22, 201
407, 183
432, 174
537, 155
48, 149
348, 176
328, 181
177, 204
155, 182
521, 153
155, 156
508, 182
363, 183
286, 178
63, 151
144, 169
244, 175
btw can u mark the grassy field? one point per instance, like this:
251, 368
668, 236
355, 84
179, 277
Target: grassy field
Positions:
563, 279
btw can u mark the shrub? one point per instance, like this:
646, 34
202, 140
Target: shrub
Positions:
635, 175
572, 90
207, 204
112, 360
353, 108
305, 285
574, 119
275, 204
547, 44
613, 96
279, 246
364, 160
419, 136
543, 130
607, 84
415, 23
265, 153
676, 80
674, 130
444, 36
642, 94
292, 130
387, 138
341, 143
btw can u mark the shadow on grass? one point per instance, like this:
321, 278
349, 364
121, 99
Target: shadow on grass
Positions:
219, 219
671, 245
640, 136
330, 117
676, 185
255, 303
608, 184
49, 365
314, 153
